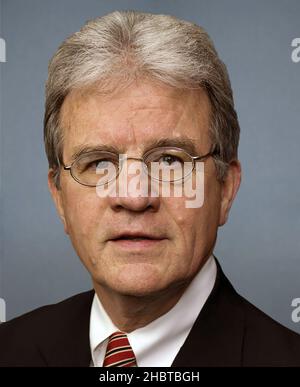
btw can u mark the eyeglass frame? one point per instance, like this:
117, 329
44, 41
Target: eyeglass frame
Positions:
212, 153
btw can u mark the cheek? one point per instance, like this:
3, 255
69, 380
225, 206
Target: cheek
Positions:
195, 223
212, 201
191, 243
196, 228
82, 211
186, 222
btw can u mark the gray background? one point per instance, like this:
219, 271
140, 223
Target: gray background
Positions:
258, 248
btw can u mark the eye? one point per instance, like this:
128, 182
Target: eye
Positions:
98, 165
170, 160
101, 165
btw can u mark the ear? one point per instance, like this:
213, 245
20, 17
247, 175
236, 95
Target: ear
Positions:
56, 194
229, 189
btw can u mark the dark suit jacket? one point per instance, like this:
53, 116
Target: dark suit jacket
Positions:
228, 332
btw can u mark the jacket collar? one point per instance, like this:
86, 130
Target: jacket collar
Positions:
216, 338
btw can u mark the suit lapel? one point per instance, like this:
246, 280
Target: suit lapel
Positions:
67, 341
216, 338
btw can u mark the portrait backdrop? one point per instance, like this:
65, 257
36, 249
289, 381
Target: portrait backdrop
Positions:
259, 247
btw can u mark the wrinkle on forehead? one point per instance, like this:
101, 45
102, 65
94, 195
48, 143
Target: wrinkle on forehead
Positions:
131, 116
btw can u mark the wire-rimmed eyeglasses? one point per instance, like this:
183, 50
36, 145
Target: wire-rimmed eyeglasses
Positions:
166, 164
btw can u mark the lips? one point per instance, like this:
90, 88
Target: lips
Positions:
136, 236
136, 241
131, 238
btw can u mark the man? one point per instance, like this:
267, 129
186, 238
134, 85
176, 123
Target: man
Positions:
147, 91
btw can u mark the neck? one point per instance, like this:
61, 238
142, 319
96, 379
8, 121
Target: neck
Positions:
129, 313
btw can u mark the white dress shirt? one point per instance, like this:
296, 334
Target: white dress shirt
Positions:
156, 344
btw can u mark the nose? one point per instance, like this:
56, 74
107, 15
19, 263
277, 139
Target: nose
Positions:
135, 190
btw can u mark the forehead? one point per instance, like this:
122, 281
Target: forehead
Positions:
130, 119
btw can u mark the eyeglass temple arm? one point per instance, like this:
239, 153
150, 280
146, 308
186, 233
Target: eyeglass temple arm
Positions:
211, 153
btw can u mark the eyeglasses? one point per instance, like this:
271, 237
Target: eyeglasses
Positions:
166, 164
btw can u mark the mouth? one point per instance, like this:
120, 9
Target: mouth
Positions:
136, 240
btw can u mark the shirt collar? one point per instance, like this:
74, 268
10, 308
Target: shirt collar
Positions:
157, 343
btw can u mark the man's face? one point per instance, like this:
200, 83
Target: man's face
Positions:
130, 121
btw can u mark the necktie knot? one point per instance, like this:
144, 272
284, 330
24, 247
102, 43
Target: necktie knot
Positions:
119, 352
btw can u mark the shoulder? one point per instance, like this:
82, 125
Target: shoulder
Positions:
26, 333
267, 342
259, 340
48, 314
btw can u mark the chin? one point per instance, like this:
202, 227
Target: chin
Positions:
138, 282
139, 292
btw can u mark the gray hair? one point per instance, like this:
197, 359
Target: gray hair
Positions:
121, 46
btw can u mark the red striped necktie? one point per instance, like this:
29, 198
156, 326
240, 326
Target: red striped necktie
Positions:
119, 352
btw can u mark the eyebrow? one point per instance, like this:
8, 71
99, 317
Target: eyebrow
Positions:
86, 148
182, 142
